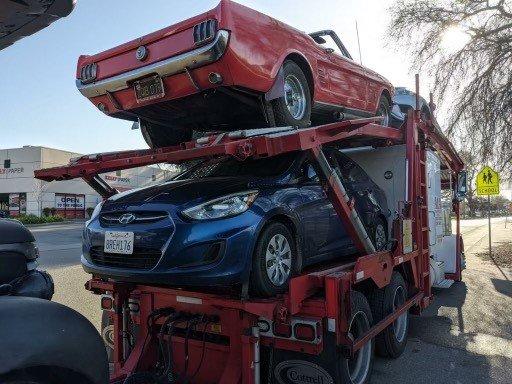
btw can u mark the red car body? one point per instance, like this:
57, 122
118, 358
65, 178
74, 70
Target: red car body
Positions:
248, 60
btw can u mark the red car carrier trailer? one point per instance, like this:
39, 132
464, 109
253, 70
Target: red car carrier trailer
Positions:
324, 330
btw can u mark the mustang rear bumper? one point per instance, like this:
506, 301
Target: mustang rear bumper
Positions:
189, 60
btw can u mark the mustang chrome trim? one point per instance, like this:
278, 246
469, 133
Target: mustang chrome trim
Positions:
171, 66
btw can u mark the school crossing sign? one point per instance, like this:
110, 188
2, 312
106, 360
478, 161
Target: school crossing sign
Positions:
488, 182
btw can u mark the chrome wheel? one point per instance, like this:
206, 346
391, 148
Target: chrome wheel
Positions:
380, 237
295, 97
359, 365
278, 259
400, 324
384, 112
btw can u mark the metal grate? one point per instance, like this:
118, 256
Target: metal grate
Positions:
112, 218
205, 31
144, 259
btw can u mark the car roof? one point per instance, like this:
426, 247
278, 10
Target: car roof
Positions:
21, 18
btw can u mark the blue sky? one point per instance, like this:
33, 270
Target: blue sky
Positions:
39, 103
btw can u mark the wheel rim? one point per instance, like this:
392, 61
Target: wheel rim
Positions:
359, 365
278, 259
295, 97
400, 324
380, 237
384, 112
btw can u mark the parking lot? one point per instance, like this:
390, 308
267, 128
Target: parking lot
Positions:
465, 336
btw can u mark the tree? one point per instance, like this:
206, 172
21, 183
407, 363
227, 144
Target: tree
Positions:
474, 81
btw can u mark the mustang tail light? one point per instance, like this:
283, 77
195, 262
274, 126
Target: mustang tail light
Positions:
88, 73
205, 31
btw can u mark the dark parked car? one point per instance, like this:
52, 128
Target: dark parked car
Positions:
224, 222
18, 263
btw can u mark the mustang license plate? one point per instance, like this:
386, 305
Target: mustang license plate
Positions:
149, 89
118, 242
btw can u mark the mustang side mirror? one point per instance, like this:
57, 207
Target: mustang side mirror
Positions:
462, 186
135, 125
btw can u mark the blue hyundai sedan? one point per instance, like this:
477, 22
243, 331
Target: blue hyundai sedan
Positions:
224, 222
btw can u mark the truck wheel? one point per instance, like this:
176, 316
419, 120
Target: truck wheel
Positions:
391, 341
384, 110
379, 235
274, 261
159, 136
358, 369
294, 108
107, 334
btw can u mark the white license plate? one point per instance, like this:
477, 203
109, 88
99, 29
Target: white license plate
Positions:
119, 242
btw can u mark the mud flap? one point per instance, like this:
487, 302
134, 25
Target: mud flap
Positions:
288, 367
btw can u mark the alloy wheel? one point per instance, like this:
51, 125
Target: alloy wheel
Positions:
359, 365
278, 259
294, 96
380, 237
400, 324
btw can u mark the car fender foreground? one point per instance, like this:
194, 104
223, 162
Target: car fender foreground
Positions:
47, 335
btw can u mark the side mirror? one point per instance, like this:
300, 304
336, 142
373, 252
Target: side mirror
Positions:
462, 186
135, 125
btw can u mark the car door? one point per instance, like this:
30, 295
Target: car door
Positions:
324, 234
349, 81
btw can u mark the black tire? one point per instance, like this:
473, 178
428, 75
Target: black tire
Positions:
384, 109
159, 136
282, 114
260, 283
379, 229
360, 313
382, 303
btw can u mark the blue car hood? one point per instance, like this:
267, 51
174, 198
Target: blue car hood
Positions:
184, 191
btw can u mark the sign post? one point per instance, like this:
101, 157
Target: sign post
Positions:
488, 183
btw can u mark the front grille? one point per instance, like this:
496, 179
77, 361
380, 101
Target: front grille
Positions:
142, 258
112, 218
205, 31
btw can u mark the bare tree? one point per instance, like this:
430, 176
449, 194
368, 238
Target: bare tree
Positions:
39, 191
474, 81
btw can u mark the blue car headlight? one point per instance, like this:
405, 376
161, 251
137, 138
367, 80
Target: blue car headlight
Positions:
230, 205
95, 213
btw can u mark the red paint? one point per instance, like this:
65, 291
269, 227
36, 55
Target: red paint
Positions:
258, 46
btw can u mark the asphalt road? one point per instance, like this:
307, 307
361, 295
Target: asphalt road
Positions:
465, 336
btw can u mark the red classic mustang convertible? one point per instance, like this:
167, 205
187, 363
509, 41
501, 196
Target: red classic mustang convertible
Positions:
230, 68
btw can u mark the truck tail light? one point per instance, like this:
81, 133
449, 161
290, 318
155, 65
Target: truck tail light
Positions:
283, 330
305, 332
107, 302
205, 31
88, 73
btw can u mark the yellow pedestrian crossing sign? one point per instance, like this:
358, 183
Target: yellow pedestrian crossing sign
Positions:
488, 182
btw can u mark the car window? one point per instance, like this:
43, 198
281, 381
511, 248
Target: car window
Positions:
266, 167
349, 170
310, 173
331, 43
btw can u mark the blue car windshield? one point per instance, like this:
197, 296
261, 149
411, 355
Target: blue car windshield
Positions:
228, 167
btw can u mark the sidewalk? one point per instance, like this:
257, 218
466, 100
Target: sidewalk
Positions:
73, 221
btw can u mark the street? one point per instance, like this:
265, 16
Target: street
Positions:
465, 336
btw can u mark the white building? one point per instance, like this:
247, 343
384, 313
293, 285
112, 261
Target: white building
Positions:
21, 193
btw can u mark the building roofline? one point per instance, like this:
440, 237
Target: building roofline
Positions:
40, 147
